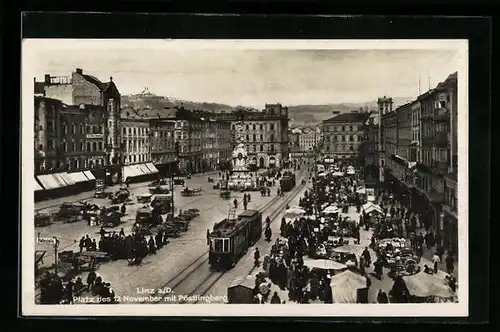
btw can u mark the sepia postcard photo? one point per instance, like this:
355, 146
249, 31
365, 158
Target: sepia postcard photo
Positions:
214, 177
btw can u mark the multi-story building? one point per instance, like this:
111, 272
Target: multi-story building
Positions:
162, 142
223, 144
369, 151
420, 147
308, 139
264, 133
135, 139
80, 88
343, 135
68, 137
415, 151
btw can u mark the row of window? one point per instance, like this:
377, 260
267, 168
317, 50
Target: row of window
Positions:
136, 158
343, 128
74, 146
436, 154
340, 148
260, 148
70, 164
345, 138
83, 129
141, 131
254, 126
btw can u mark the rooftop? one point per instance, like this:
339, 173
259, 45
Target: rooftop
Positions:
226, 227
349, 118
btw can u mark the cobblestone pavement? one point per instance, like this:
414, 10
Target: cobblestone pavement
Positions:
69, 234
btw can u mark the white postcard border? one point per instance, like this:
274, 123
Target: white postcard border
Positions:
30, 47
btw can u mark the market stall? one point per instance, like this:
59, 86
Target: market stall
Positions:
425, 287
345, 287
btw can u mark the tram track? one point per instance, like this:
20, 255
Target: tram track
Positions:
211, 277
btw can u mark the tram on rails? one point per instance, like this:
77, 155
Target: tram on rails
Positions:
287, 181
231, 239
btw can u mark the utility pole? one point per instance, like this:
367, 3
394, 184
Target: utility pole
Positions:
172, 176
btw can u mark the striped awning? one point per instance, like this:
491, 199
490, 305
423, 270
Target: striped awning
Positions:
78, 177
152, 168
131, 171
67, 178
50, 181
89, 175
144, 169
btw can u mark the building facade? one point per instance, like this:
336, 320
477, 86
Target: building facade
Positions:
420, 148
343, 135
162, 142
135, 134
80, 88
68, 137
308, 139
265, 134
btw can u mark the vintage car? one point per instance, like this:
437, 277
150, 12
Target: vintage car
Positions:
70, 212
161, 189
42, 219
191, 192
226, 194
110, 219
162, 202
120, 196
179, 181
144, 198
156, 183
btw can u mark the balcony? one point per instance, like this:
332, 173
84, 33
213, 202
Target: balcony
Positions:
94, 136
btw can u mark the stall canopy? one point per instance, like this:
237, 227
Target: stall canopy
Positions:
67, 178
370, 207
331, 210
50, 181
345, 286
152, 168
78, 177
294, 212
361, 190
325, 264
338, 174
38, 187
89, 175
425, 285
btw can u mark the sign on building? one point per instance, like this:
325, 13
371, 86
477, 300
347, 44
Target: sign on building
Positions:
46, 239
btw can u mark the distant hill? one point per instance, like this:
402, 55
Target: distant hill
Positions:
312, 114
299, 114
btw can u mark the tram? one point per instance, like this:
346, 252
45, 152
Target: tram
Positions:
287, 181
231, 239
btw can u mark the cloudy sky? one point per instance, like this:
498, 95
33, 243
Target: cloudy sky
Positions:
253, 77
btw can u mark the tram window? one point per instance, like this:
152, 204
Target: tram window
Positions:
218, 245
226, 244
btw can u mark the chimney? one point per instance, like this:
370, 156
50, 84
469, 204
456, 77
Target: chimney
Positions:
79, 71
47, 78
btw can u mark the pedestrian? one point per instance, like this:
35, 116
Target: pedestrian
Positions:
436, 261
450, 261
382, 297
82, 243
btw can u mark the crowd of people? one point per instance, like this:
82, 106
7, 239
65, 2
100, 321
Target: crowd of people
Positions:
311, 234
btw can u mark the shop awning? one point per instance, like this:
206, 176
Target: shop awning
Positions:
89, 175
67, 178
144, 168
152, 168
38, 187
78, 177
60, 179
49, 181
131, 171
